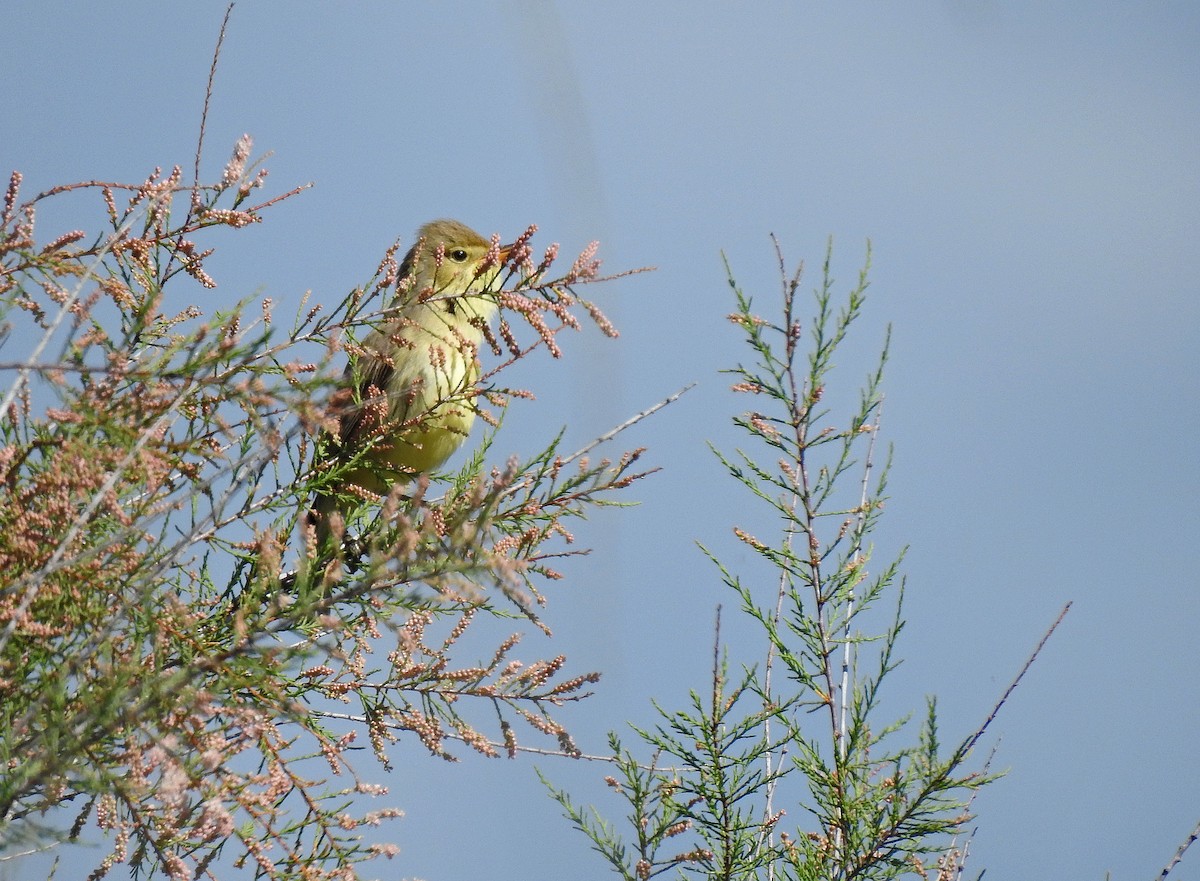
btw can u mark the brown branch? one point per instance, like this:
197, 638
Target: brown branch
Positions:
979, 732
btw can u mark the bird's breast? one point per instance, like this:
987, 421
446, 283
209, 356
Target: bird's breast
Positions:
431, 401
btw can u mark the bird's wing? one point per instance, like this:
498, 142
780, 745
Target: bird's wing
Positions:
361, 376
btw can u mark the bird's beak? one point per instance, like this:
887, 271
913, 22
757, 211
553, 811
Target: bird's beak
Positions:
505, 250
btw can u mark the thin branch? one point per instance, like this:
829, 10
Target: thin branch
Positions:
960, 854
499, 745
208, 91
629, 423
979, 732
855, 550
1179, 853
772, 761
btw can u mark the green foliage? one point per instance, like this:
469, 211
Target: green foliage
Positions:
802, 779
163, 680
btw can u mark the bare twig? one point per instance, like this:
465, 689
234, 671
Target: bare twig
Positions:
629, 423
1179, 853
979, 732
208, 91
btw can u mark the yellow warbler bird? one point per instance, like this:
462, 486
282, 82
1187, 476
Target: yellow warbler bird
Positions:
411, 392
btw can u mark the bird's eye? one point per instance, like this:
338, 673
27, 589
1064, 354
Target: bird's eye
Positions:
458, 255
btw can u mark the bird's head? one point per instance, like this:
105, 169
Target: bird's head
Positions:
449, 261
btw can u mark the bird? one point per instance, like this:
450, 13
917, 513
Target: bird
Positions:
405, 403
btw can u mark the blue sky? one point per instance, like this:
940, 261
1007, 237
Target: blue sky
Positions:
1028, 176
